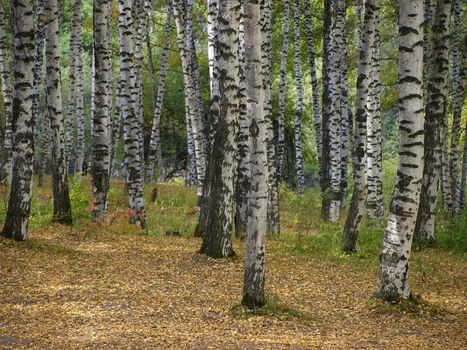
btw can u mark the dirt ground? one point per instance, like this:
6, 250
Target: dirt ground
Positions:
70, 289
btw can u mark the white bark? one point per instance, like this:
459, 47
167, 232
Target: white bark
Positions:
397, 242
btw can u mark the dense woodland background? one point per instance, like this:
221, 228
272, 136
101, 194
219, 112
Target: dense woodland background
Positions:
146, 145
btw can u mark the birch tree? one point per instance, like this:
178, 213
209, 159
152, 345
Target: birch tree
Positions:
130, 107
217, 237
19, 201
74, 52
282, 91
7, 91
375, 202
395, 252
191, 99
314, 81
62, 205
299, 167
458, 88
436, 108
155, 151
255, 72
364, 109
102, 101
79, 108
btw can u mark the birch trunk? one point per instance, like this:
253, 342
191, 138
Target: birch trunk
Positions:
19, 202
464, 173
314, 82
299, 168
364, 109
80, 141
155, 151
395, 252
345, 111
375, 202
460, 95
335, 121
243, 175
273, 180
102, 101
282, 92
217, 238
458, 88
436, 108
74, 52
213, 10
62, 205
130, 109
7, 99
328, 110
42, 128
191, 98
255, 75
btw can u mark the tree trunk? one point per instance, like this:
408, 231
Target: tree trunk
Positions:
191, 98
364, 109
255, 75
397, 242
19, 202
346, 118
213, 10
80, 142
299, 107
62, 205
464, 173
243, 175
335, 121
458, 86
273, 180
282, 92
74, 52
314, 82
7, 99
42, 126
102, 100
217, 238
155, 151
436, 108
130, 108
375, 202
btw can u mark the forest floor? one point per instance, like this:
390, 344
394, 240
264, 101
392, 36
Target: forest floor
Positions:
108, 286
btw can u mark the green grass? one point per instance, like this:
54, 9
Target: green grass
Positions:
273, 307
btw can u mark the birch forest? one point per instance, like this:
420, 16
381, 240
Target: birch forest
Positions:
213, 174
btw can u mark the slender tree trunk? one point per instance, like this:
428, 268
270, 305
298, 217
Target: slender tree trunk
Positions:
155, 151
445, 182
364, 109
71, 98
191, 98
299, 108
7, 99
80, 142
213, 11
217, 238
428, 7
255, 75
335, 121
62, 205
314, 82
395, 252
273, 180
282, 92
243, 175
435, 111
19, 202
460, 95
102, 101
375, 202
458, 99
130, 108
327, 108
42, 128
346, 113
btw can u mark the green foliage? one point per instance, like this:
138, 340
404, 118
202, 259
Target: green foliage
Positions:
273, 307
79, 197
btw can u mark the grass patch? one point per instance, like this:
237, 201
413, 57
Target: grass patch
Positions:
274, 307
414, 306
